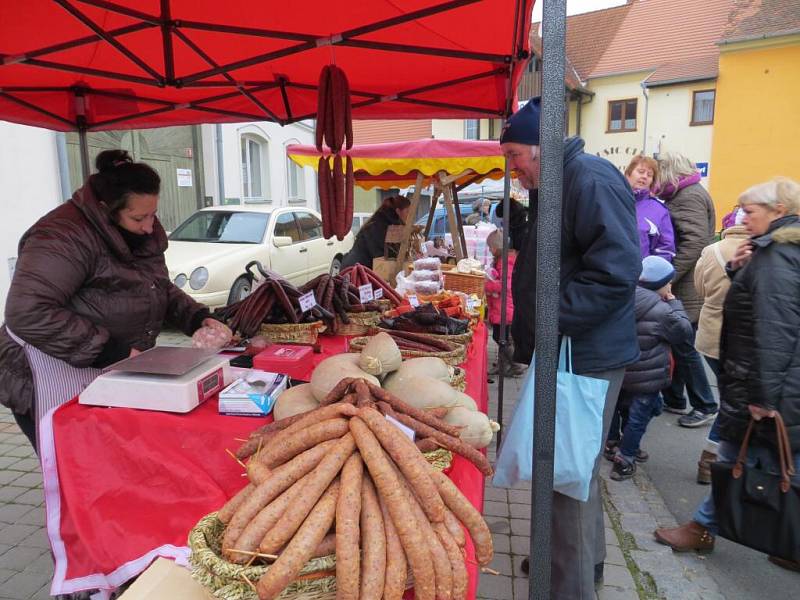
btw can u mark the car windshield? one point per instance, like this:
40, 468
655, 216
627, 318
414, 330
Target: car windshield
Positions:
223, 227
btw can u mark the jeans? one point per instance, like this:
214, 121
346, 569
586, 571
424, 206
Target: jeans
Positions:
728, 453
690, 374
618, 422
641, 409
715, 366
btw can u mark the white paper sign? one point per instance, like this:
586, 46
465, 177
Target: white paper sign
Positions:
406, 430
377, 293
184, 177
307, 301
365, 293
413, 300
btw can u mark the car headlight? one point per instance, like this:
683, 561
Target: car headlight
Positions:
180, 280
198, 278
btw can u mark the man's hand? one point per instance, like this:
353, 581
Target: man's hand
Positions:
213, 334
134, 352
742, 256
758, 413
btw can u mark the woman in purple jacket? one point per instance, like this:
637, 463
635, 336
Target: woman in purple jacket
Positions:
656, 237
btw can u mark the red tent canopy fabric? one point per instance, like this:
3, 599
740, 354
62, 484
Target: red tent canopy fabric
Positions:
97, 64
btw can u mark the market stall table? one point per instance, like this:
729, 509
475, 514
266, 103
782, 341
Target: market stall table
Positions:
123, 486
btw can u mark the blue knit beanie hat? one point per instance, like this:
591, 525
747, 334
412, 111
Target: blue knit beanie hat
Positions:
656, 273
523, 126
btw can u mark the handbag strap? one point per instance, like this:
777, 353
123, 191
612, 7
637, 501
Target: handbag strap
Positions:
738, 468
784, 452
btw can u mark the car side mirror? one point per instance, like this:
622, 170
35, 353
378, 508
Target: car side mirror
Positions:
281, 241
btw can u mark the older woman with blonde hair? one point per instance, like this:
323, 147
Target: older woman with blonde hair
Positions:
693, 220
759, 349
656, 236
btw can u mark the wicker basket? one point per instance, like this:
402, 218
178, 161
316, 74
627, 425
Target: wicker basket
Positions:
459, 379
298, 333
360, 323
461, 338
464, 282
226, 580
452, 357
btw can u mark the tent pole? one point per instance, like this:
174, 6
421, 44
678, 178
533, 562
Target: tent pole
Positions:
548, 253
84, 147
503, 299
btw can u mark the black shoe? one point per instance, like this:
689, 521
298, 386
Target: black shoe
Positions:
598, 575
622, 469
697, 419
524, 566
641, 456
610, 449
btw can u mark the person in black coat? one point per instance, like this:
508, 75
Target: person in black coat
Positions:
759, 348
518, 223
371, 237
600, 266
660, 323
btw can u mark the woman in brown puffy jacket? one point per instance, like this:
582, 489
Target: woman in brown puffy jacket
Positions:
90, 288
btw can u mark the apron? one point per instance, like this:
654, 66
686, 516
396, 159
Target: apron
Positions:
55, 382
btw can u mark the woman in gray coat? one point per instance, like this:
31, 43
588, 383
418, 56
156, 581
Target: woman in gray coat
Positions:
693, 219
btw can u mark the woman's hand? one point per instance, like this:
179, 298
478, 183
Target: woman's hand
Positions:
742, 255
213, 334
758, 412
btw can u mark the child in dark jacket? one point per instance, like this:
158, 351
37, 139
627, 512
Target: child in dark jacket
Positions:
660, 323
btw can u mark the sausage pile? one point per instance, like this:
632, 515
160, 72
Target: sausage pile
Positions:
361, 275
334, 128
345, 466
419, 342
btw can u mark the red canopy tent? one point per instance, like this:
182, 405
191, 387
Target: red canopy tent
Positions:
96, 64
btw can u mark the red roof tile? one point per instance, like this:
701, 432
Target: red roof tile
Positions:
674, 38
762, 18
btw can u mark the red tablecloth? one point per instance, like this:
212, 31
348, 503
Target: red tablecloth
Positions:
124, 486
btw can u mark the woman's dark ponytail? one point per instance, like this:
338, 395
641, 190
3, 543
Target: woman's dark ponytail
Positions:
118, 176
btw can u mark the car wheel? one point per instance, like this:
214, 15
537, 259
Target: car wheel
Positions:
240, 289
336, 265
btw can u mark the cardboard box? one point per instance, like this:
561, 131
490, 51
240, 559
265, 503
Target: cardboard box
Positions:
253, 394
164, 580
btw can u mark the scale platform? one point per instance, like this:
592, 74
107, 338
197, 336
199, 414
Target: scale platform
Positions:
164, 378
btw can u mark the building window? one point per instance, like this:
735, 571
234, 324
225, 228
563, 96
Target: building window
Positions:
254, 168
621, 115
472, 129
703, 107
294, 181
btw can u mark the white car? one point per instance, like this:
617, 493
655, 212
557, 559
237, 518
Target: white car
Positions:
208, 252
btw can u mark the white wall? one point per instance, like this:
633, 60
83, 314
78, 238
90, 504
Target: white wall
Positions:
448, 129
277, 138
29, 186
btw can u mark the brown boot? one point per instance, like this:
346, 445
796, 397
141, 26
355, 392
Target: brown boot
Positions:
704, 467
691, 536
783, 563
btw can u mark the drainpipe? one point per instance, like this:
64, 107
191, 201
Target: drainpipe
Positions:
220, 165
63, 166
578, 110
646, 106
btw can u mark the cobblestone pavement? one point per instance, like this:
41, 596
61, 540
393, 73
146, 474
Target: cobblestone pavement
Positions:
26, 566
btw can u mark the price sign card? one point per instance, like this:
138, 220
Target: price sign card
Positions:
307, 301
365, 293
377, 293
413, 300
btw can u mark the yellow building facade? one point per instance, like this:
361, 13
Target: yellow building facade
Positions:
757, 120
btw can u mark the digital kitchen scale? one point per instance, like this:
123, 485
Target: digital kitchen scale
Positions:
164, 378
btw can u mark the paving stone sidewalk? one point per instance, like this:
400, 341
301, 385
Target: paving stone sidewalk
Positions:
636, 567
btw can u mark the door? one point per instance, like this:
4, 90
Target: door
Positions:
320, 251
289, 261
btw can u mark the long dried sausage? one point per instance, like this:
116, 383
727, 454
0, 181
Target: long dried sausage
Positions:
284, 570
231, 506
339, 195
396, 564
386, 480
320, 478
303, 440
348, 532
322, 99
373, 544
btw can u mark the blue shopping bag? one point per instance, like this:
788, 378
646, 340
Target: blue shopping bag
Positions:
579, 431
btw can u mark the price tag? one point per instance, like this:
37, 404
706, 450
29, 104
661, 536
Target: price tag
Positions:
406, 430
365, 293
307, 301
377, 293
470, 304
413, 300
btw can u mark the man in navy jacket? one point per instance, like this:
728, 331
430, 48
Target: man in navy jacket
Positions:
600, 266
